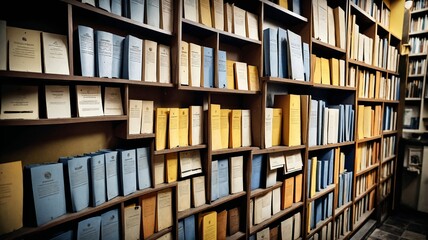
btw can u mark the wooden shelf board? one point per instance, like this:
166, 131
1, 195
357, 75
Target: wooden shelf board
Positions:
416, 75
369, 66
418, 131
287, 13
322, 193
206, 206
261, 191
367, 169
367, 191
137, 136
419, 11
236, 236
159, 234
375, 100
418, 33
321, 44
423, 54
286, 81
363, 13
335, 145
278, 149
318, 226
180, 149
382, 180
216, 90
328, 86
363, 219
342, 208
387, 159
368, 139
389, 132
232, 150
413, 99
254, 229
58, 121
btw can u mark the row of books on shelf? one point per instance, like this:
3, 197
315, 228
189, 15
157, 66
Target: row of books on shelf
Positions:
342, 224
365, 182
320, 172
389, 119
369, 121
388, 146
363, 206
377, 86
414, 89
285, 55
385, 55
380, 13
319, 210
418, 45
344, 194
227, 177
417, 67
418, 24
28, 50
223, 16
156, 13
420, 4
22, 101
367, 154
330, 124
104, 54
411, 117
387, 169
385, 188
329, 71
197, 65
289, 228
324, 233
329, 24
361, 45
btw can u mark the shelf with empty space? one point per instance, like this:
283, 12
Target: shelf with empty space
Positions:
326, 48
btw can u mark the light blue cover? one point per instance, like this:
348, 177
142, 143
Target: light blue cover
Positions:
127, 172
318, 210
189, 228
282, 53
330, 205
340, 196
352, 124
350, 176
208, 55
116, 7
214, 180
325, 174
270, 52
306, 61
110, 225
87, 50
143, 168
153, 13
223, 178
116, 71
103, 53
68, 235
329, 157
47, 182
78, 181
181, 235
136, 10
222, 76
112, 178
256, 171
89, 229
104, 4
97, 172
132, 58
296, 6
313, 214
319, 176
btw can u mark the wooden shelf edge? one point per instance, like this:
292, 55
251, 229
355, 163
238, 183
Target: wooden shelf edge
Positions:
322, 193
368, 139
286, 81
363, 219
328, 46
286, 11
236, 236
216, 90
276, 149
232, 150
180, 149
261, 191
342, 208
159, 234
320, 147
367, 191
59, 121
367, 169
319, 225
329, 86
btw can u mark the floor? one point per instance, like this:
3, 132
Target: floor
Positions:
402, 225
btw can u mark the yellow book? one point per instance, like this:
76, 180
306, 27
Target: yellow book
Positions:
148, 215
298, 188
309, 215
377, 85
25, 52
160, 126
371, 85
276, 126
164, 209
367, 121
235, 129
291, 122
334, 68
283, 3
183, 127
171, 167
253, 78
230, 74
208, 225
287, 193
217, 13
173, 122
360, 121
205, 12
317, 69
325, 71
215, 126
313, 176
224, 125
184, 63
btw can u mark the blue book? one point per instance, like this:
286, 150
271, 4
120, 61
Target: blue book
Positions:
68, 235
44, 193
208, 65
116, 71
181, 235
112, 177
104, 4
319, 174
127, 172
77, 182
143, 168
110, 229
324, 207
350, 176
116, 7
321, 106
329, 157
252, 237
256, 171
223, 178
136, 10
189, 228
86, 50
313, 215
318, 210
340, 196
222, 76
347, 125
282, 53
296, 6
309, 176
270, 52
330, 204
325, 173
153, 13
97, 178
132, 58
306, 61
214, 180
352, 124
89, 228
